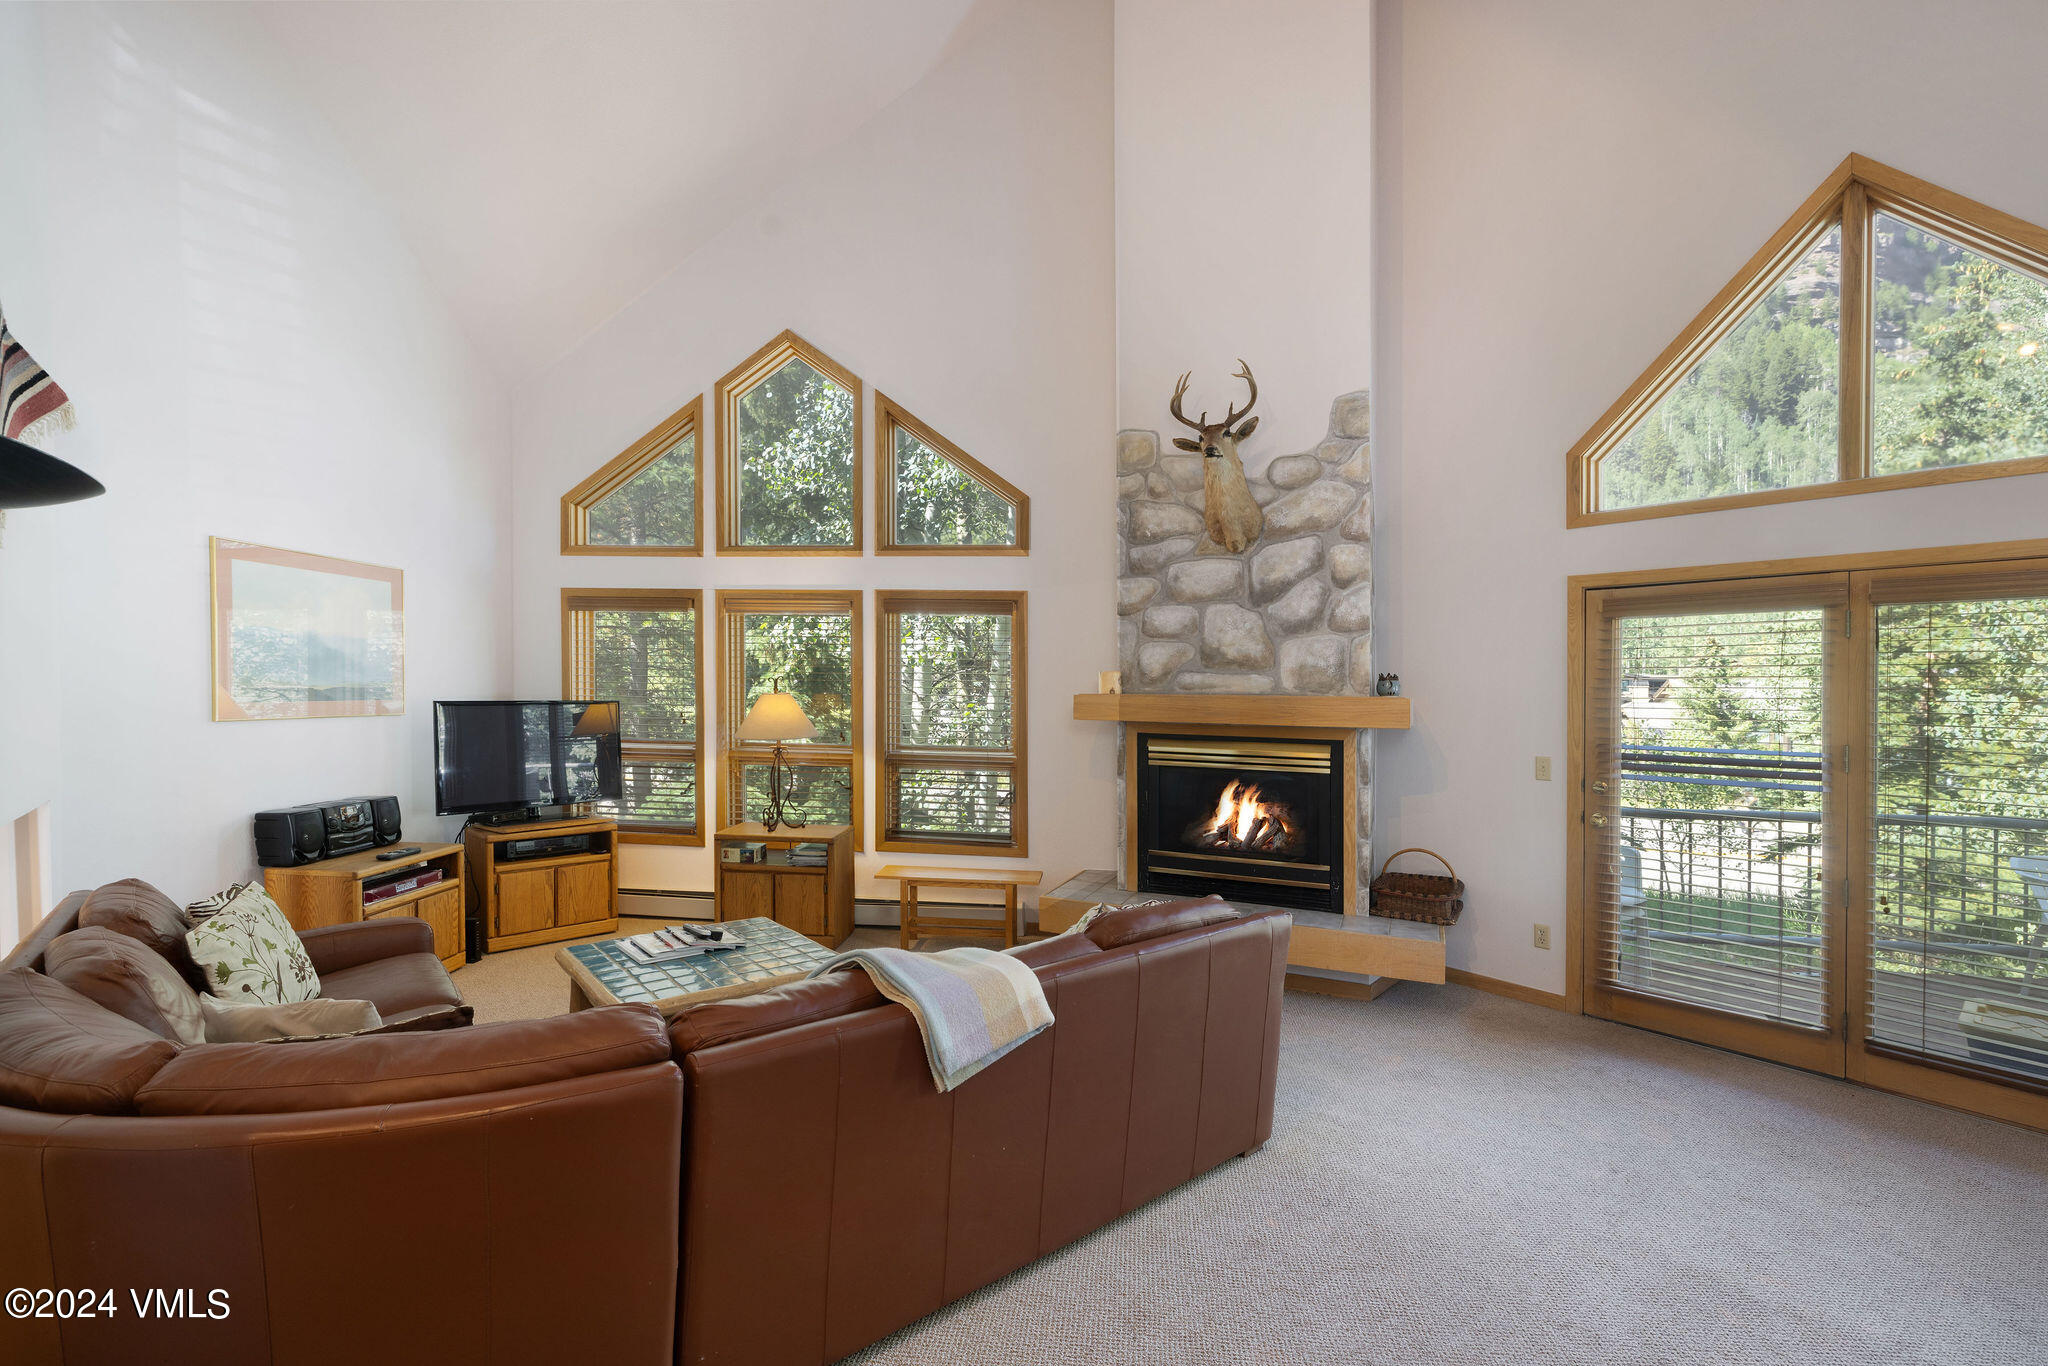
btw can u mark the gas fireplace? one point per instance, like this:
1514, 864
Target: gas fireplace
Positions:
1257, 820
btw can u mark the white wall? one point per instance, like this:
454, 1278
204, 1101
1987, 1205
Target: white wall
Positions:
253, 353
1244, 210
956, 253
1562, 187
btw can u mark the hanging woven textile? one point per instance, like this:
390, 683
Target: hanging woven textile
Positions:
32, 405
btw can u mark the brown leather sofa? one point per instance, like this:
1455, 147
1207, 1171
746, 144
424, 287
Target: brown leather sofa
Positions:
445, 1195
831, 1195
531, 1192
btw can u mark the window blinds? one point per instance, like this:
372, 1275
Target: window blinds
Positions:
1706, 811
1959, 832
951, 722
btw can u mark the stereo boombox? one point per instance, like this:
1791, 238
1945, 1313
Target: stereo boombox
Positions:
301, 834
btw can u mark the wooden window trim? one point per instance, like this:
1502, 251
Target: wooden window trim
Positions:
577, 681
889, 415
1852, 193
1911, 574
787, 346
617, 472
888, 605
733, 753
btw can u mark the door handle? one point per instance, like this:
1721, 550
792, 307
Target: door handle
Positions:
1600, 786
1596, 819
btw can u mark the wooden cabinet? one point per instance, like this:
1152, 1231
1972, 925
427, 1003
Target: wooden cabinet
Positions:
583, 893
330, 892
524, 892
813, 899
526, 901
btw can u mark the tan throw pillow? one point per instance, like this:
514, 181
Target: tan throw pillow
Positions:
250, 952
129, 978
320, 1018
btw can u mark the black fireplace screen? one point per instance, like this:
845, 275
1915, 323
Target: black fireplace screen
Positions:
1257, 820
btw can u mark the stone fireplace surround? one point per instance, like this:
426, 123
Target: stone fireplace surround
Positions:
1292, 615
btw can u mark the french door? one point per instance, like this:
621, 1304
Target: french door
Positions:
1815, 822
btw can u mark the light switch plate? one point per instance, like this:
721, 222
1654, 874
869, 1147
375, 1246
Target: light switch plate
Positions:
1543, 768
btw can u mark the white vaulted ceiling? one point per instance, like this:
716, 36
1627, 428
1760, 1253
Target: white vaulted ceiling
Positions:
549, 160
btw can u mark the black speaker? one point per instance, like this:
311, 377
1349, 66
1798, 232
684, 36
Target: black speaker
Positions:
318, 830
384, 814
286, 838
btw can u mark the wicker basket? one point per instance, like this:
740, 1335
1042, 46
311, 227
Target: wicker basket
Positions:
1418, 896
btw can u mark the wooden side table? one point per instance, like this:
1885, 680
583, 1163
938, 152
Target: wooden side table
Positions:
812, 899
914, 877
330, 892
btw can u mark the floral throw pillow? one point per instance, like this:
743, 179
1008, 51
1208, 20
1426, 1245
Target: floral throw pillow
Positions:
249, 952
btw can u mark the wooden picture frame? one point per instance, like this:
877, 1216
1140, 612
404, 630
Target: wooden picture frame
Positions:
298, 636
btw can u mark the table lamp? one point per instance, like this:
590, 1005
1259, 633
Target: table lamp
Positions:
778, 717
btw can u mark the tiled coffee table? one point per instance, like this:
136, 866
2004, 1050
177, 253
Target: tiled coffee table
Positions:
603, 974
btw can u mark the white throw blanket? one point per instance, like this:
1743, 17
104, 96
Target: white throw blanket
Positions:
972, 1005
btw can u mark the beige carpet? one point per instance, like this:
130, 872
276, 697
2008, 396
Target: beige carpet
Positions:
1456, 1178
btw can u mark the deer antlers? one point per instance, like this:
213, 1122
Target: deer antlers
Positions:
1235, 414
1179, 392
1244, 372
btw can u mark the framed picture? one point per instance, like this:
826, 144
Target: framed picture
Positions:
297, 635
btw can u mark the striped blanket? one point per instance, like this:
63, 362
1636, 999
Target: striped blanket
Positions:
973, 1005
31, 404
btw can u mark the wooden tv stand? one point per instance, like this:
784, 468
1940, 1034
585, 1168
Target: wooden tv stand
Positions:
524, 901
330, 892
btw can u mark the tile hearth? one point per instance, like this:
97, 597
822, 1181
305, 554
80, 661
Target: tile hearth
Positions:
1363, 945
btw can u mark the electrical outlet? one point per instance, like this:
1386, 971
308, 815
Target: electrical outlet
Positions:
1543, 768
1543, 936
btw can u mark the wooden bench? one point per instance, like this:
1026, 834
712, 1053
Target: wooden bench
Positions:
914, 878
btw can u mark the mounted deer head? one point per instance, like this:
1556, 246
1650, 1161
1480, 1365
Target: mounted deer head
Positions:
1229, 511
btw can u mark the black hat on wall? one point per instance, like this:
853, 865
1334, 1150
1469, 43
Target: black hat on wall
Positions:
30, 478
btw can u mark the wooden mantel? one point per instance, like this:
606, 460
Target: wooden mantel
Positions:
1249, 709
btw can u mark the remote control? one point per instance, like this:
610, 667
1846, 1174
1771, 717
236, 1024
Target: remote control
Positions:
397, 854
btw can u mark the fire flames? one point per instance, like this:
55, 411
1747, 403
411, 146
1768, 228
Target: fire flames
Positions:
1246, 821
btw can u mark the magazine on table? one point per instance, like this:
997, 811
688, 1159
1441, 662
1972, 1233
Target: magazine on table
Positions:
673, 943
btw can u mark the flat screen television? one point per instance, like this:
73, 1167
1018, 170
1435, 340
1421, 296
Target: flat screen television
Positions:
520, 756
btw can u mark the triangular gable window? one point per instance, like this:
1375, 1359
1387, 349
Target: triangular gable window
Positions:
1889, 334
936, 499
646, 500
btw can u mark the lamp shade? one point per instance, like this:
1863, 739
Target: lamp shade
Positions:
776, 716
31, 479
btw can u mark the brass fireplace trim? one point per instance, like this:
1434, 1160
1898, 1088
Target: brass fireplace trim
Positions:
1239, 858
1279, 758
1241, 877
1347, 750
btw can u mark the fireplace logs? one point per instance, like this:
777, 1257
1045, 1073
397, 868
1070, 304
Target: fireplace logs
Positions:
1245, 822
